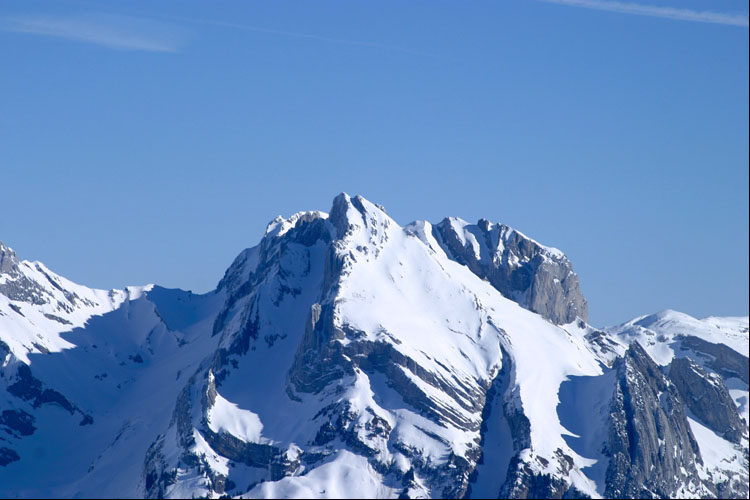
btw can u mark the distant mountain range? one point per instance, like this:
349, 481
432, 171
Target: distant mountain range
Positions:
347, 356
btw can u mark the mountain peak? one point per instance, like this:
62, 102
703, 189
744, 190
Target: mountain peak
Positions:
280, 225
8, 260
350, 213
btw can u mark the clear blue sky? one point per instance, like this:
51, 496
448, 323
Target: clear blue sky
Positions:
144, 142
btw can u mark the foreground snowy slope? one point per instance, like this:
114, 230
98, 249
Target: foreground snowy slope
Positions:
346, 356
87, 377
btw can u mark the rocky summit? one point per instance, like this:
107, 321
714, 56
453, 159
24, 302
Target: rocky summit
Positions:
347, 356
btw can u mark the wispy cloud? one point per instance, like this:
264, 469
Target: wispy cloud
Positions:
677, 14
107, 30
308, 36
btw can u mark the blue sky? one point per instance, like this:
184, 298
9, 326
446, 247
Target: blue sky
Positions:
144, 142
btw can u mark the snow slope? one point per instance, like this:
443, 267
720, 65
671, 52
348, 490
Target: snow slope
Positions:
110, 367
657, 332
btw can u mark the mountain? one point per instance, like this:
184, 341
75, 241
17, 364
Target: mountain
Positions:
347, 356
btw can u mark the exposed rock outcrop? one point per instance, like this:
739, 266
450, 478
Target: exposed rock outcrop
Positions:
539, 278
707, 397
651, 447
720, 358
16, 285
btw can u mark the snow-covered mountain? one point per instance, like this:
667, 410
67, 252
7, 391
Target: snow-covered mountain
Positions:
346, 356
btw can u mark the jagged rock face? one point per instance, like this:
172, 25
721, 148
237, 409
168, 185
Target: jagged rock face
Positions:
718, 357
8, 260
716, 348
707, 397
16, 286
537, 277
652, 450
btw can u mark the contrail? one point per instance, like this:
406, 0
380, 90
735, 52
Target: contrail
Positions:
677, 14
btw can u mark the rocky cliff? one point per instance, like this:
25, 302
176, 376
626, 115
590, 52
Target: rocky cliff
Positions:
539, 278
